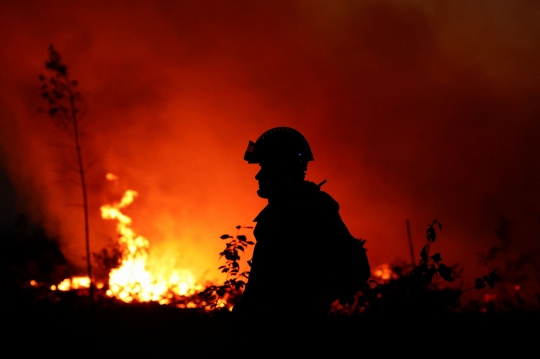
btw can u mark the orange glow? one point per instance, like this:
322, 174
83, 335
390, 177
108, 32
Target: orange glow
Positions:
405, 107
72, 284
134, 280
111, 177
383, 272
33, 283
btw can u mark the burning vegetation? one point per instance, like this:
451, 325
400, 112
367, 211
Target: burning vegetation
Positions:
133, 279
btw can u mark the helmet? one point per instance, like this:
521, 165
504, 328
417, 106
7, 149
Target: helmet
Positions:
282, 144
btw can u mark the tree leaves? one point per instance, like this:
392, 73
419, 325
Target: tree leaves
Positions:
239, 284
446, 272
424, 253
55, 62
415, 288
231, 267
430, 273
431, 234
426, 271
57, 94
53, 111
60, 93
490, 279
479, 283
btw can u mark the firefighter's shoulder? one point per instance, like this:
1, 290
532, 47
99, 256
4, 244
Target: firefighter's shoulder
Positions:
319, 199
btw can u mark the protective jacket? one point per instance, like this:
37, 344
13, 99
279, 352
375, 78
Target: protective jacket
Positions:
304, 258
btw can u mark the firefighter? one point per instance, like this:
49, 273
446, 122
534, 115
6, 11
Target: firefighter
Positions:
304, 257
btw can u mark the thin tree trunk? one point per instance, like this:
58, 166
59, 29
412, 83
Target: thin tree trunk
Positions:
411, 247
62, 91
85, 198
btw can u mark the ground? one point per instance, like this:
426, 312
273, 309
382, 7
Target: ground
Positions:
150, 329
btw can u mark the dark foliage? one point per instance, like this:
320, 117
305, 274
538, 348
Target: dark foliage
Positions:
519, 268
153, 330
236, 279
106, 260
29, 254
414, 291
65, 102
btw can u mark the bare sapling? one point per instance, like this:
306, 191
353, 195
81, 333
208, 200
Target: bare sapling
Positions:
65, 105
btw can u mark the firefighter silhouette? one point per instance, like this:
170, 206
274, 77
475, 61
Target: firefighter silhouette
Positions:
304, 257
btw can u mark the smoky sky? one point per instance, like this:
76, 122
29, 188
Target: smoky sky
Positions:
413, 111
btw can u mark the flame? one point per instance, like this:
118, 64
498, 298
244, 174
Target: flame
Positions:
72, 283
133, 281
111, 177
383, 272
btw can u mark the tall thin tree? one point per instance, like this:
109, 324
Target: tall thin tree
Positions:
65, 104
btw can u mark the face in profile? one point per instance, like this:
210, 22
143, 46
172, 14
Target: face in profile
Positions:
278, 178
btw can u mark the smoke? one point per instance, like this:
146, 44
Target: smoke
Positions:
412, 110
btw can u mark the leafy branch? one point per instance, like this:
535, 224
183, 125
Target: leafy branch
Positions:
432, 265
486, 280
235, 279
414, 288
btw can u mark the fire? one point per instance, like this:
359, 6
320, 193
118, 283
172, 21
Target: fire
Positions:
384, 272
133, 280
72, 283
111, 177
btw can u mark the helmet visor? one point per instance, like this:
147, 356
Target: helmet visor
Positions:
250, 154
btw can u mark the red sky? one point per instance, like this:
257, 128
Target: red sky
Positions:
412, 111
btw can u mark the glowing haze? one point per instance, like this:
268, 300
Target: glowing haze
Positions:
412, 111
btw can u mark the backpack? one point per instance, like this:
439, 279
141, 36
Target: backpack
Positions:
355, 270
